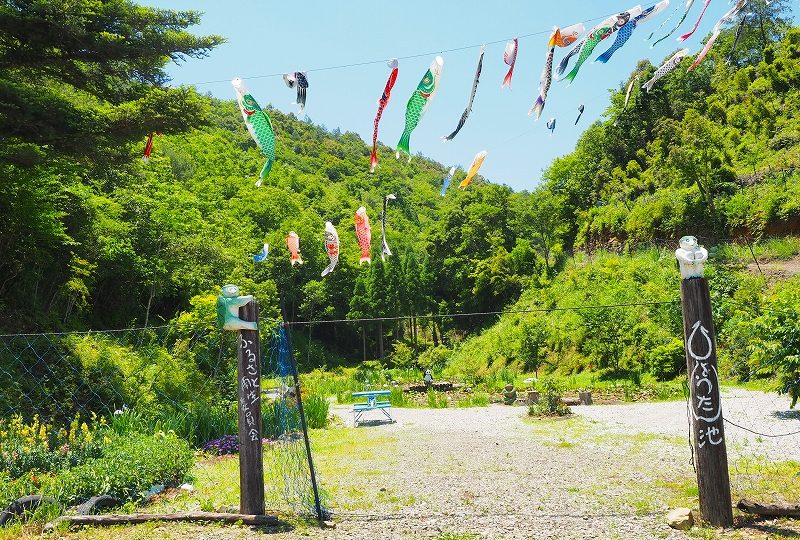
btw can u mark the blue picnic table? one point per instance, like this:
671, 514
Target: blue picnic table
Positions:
374, 402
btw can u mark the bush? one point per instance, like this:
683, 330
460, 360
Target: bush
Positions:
667, 360
550, 403
129, 466
198, 423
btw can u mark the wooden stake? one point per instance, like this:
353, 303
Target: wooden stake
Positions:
251, 466
770, 510
708, 430
127, 519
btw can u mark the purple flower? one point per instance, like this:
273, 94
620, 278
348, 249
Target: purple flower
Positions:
228, 444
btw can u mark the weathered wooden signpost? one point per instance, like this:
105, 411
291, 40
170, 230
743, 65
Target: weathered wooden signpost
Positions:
708, 430
240, 313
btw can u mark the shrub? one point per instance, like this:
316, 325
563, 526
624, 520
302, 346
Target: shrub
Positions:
667, 360
478, 399
129, 466
550, 403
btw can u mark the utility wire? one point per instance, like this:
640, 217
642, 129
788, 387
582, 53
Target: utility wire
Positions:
481, 313
762, 434
412, 56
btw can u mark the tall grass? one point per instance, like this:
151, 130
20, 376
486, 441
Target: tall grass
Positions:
436, 400
197, 425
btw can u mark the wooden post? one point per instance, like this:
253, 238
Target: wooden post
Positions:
251, 466
708, 430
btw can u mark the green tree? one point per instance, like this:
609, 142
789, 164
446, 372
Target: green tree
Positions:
83, 78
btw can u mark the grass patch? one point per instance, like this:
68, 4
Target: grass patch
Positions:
756, 478
477, 399
457, 536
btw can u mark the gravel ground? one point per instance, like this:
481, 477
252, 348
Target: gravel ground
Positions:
763, 413
610, 471
491, 473
485, 471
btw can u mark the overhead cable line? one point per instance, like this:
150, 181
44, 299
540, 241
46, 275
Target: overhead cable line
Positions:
411, 56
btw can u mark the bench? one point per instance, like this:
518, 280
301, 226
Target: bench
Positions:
373, 403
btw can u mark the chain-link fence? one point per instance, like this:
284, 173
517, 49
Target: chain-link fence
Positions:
73, 405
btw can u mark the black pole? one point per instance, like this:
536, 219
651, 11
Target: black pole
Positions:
296, 377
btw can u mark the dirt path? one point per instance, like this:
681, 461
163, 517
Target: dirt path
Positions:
776, 268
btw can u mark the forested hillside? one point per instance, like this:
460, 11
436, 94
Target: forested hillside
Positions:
93, 237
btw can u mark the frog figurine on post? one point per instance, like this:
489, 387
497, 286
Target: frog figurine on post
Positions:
228, 304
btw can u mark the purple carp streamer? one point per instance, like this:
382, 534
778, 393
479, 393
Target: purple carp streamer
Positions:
728, 17
298, 80
468, 110
666, 67
387, 91
687, 35
510, 58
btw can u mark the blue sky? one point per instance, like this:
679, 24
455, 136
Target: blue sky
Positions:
270, 37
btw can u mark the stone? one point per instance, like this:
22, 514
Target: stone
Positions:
186, 487
328, 524
680, 518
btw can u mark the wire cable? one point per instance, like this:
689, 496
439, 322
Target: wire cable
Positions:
412, 56
481, 313
762, 434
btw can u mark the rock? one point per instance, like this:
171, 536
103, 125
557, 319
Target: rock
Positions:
680, 518
187, 487
329, 524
